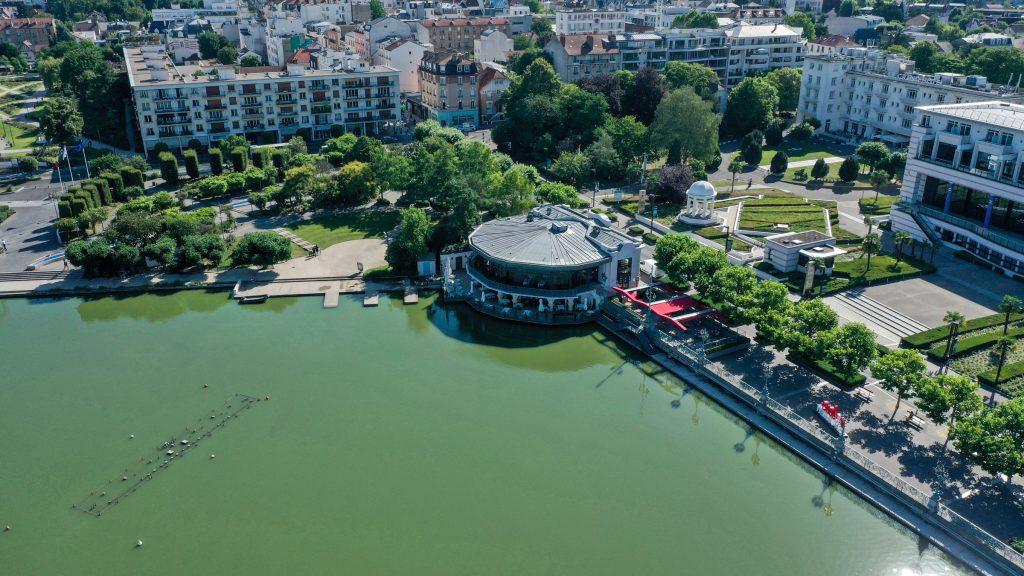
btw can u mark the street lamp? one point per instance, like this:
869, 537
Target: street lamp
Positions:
593, 198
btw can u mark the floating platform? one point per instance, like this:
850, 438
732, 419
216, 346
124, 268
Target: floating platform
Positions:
332, 292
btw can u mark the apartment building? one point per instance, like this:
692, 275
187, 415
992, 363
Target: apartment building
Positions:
35, 31
575, 22
175, 104
759, 48
404, 55
870, 94
964, 181
312, 11
491, 82
448, 84
582, 56
492, 46
457, 34
365, 39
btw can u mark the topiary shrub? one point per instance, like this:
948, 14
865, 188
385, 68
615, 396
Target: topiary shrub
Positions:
779, 163
115, 183
169, 167
132, 176
191, 163
216, 161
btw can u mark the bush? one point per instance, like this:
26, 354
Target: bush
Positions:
105, 195
1010, 371
78, 205
95, 200
115, 183
261, 158
262, 249
636, 230
800, 174
28, 164
651, 238
160, 148
773, 132
780, 163
849, 170
191, 163
213, 187
802, 132
239, 159
195, 145
216, 161
752, 154
63, 207
379, 272
169, 167
972, 343
132, 192
928, 337
132, 177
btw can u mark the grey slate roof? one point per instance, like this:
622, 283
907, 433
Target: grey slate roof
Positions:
549, 237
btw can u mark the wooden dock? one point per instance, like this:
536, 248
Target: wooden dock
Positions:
294, 239
332, 293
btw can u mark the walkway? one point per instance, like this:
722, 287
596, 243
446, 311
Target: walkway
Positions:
888, 324
284, 232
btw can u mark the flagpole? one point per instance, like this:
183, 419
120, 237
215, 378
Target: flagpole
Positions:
55, 208
86, 160
71, 174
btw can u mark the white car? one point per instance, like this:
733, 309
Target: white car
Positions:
650, 269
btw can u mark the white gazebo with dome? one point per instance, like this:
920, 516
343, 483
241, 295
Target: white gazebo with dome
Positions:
700, 205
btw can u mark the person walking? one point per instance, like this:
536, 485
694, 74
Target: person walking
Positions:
65, 263
3, 243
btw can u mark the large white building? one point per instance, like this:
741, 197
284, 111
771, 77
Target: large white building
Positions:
404, 55
964, 181
758, 48
175, 104
590, 22
869, 94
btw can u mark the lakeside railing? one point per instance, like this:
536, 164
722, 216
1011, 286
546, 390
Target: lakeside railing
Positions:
759, 399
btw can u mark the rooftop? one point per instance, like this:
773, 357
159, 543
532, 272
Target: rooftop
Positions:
26, 23
743, 30
996, 113
548, 236
454, 22
580, 44
790, 239
151, 66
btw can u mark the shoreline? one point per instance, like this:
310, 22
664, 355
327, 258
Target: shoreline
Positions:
875, 491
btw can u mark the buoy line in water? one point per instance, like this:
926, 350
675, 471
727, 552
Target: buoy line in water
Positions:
171, 450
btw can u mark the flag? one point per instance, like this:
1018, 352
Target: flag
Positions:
79, 147
57, 164
64, 151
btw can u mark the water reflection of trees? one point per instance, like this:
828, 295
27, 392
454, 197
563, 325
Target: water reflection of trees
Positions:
163, 306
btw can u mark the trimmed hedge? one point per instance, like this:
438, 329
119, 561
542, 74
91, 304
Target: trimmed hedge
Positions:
1010, 371
823, 368
132, 177
115, 183
973, 343
216, 161
928, 337
169, 167
191, 163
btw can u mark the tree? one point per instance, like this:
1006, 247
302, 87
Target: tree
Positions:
849, 170
556, 193
997, 64
377, 9
752, 104
210, 43
630, 138
518, 62
354, 184
1003, 346
521, 42
96, 216
954, 319
752, 154
582, 114
604, 159
169, 167
948, 398
899, 371
572, 167
733, 287
735, 167
819, 170
847, 8
1009, 306
686, 126
896, 164
695, 19
697, 266
511, 195
296, 145
787, 83
922, 53
201, 249
261, 249
298, 182
411, 241
698, 77
873, 154
543, 29
674, 181
163, 251
899, 240
773, 132
849, 348
191, 163
808, 320
643, 97
994, 439
216, 161
608, 86
250, 60
669, 246
780, 162
802, 132
60, 120
871, 244
227, 55
804, 21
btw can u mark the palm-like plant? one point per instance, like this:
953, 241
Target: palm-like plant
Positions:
954, 319
871, 245
1009, 306
869, 222
900, 239
1003, 347
735, 166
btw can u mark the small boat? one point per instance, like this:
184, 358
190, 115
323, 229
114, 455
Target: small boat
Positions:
138, 544
257, 299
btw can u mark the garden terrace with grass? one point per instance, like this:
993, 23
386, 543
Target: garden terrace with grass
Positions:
972, 343
797, 151
720, 236
926, 338
853, 272
333, 229
796, 214
793, 176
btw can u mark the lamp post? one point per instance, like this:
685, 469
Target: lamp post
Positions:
593, 198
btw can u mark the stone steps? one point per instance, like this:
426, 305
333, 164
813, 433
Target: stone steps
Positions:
899, 324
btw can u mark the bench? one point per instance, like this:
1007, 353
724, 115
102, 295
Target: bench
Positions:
863, 394
914, 422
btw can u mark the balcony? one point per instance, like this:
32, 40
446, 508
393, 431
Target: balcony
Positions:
181, 96
287, 113
986, 174
221, 106
173, 121
531, 292
320, 109
1005, 239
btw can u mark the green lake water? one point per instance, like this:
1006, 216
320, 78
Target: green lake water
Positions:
397, 440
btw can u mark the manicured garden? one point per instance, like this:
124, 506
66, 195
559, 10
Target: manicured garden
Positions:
793, 214
5, 212
802, 176
883, 268
972, 343
326, 231
797, 151
719, 236
926, 338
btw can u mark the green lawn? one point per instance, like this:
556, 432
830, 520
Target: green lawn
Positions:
831, 180
766, 213
20, 137
326, 231
883, 267
719, 237
868, 204
797, 151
